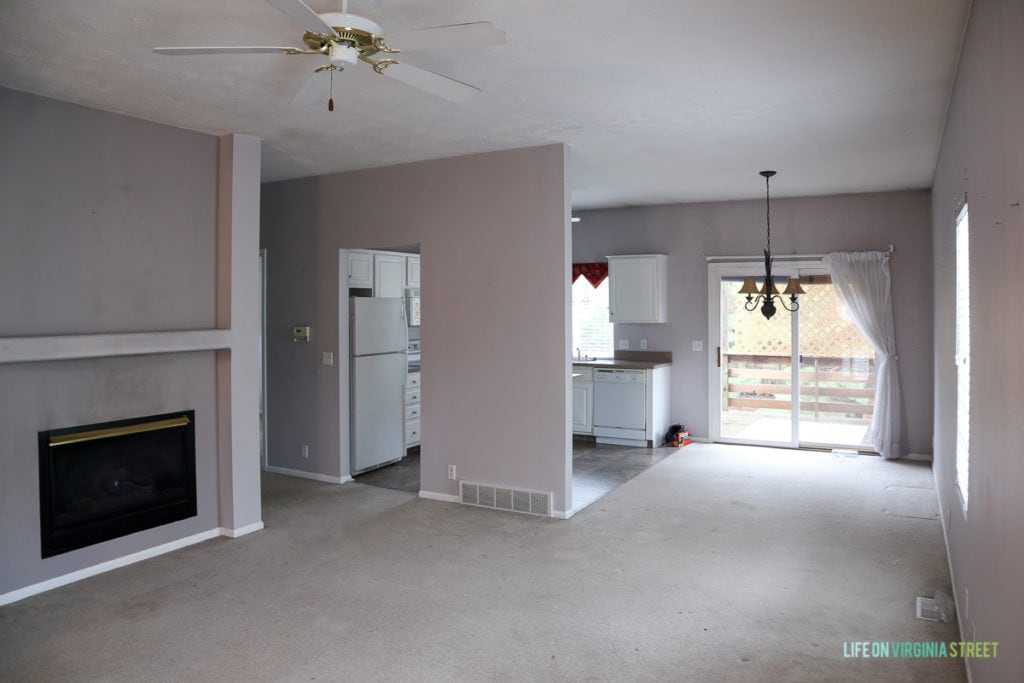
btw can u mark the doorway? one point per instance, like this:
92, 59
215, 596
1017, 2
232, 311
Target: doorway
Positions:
805, 378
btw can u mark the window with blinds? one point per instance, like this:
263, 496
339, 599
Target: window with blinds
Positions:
963, 355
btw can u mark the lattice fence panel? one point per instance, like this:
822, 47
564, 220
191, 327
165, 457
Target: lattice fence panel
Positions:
825, 326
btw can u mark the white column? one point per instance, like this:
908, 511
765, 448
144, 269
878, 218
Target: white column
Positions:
238, 372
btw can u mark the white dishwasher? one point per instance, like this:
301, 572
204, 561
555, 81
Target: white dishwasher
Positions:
620, 407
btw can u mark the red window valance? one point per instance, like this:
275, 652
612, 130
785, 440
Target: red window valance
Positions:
594, 272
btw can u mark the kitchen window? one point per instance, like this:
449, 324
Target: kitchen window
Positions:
591, 332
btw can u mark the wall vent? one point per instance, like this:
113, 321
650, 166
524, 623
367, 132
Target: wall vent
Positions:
501, 498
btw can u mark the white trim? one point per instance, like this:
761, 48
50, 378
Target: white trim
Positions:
265, 441
775, 257
924, 457
109, 565
64, 347
562, 514
945, 522
241, 531
445, 497
760, 258
315, 476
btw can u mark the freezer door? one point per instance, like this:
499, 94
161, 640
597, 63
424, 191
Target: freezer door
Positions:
378, 325
378, 410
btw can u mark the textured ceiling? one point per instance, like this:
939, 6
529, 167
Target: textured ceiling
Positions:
659, 100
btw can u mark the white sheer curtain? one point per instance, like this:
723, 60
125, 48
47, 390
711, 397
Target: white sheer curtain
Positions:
863, 283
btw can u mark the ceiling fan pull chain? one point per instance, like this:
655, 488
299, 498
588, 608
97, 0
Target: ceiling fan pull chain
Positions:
330, 102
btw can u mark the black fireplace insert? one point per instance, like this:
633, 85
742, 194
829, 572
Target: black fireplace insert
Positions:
103, 481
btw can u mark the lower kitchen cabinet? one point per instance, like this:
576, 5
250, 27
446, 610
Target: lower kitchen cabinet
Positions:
626, 413
583, 401
412, 409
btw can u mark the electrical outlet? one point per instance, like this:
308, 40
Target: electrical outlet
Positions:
327, 357
623, 344
643, 343
305, 450
698, 345
451, 471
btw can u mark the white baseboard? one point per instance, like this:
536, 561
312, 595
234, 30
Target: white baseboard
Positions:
57, 582
117, 563
241, 531
446, 497
562, 514
326, 478
926, 457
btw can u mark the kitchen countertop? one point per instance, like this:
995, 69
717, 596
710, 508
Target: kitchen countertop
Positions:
617, 364
630, 360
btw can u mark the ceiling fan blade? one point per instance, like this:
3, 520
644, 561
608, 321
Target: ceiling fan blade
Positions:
436, 84
301, 14
314, 90
219, 50
477, 34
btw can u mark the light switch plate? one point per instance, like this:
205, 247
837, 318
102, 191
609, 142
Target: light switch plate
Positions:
623, 344
698, 345
328, 357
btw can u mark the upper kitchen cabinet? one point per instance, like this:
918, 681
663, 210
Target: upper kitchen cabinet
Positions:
637, 288
360, 269
412, 271
388, 275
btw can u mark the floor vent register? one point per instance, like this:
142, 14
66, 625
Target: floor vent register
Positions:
500, 498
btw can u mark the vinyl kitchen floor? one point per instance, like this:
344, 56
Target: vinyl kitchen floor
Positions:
597, 469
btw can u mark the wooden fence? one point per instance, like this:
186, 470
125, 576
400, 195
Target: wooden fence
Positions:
839, 387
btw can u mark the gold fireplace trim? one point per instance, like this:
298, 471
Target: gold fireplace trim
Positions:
92, 435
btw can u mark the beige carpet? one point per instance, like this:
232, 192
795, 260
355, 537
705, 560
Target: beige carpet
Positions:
720, 563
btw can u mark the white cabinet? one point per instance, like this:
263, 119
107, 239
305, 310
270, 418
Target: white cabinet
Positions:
582, 401
360, 269
412, 271
412, 409
388, 275
637, 288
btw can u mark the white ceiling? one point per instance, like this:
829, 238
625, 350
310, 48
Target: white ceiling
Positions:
659, 100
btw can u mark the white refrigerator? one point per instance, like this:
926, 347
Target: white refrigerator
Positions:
379, 341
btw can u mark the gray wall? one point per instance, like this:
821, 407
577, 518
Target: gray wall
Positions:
983, 155
807, 225
493, 233
106, 221
288, 227
107, 224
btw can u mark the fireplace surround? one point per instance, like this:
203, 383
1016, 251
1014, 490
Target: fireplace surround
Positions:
102, 481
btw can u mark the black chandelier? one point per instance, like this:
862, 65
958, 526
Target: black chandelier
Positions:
768, 293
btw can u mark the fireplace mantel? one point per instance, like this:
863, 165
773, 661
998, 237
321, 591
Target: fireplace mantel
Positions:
66, 347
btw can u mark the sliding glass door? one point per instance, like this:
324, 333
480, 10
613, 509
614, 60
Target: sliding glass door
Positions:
802, 378
837, 370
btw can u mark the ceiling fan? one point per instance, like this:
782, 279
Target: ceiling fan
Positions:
347, 39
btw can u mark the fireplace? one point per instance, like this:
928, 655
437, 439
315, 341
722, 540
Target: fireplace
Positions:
103, 481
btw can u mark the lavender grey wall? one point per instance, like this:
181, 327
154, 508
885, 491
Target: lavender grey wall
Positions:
983, 155
288, 227
133, 200
107, 224
493, 234
689, 232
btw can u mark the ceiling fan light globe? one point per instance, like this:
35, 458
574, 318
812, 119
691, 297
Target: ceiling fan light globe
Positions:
340, 54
